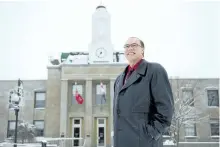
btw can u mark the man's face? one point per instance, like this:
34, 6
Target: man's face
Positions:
133, 50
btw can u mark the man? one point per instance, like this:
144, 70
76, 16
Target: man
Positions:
143, 101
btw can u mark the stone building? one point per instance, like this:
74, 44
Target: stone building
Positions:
29, 113
52, 107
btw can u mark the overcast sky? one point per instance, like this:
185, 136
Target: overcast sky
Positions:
181, 35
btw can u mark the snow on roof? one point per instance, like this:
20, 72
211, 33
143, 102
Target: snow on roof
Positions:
80, 58
77, 59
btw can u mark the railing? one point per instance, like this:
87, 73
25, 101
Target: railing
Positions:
64, 142
50, 142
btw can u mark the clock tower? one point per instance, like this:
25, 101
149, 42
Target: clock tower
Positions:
101, 48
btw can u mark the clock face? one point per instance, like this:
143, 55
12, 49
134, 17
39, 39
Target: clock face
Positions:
101, 52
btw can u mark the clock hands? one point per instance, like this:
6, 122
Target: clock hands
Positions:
100, 52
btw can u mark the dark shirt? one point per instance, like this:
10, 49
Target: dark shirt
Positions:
131, 69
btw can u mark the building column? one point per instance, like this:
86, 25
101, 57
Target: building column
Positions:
63, 107
88, 113
112, 81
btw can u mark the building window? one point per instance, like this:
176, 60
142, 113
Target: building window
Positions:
100, 94
213, 97
39, 124
214, 125
101, 132
39, 100
76, 131
11, 128
79, 88
188, 97
190, 130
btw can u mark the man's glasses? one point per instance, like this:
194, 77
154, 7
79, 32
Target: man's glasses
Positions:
133, 45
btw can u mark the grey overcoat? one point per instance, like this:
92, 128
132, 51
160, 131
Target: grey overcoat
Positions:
143, 107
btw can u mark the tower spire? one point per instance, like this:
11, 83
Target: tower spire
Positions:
101, 5
101, 2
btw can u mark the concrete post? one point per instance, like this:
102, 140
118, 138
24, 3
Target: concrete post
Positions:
88, 125
63, 106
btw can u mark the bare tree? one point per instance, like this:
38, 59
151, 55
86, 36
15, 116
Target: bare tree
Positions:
26, 132
186, 93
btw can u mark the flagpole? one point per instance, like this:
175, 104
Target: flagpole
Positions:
78, 96
100, 80
76, 86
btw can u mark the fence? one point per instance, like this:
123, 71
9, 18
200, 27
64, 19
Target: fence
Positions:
195, 144
65, 142
52, 142
69, 142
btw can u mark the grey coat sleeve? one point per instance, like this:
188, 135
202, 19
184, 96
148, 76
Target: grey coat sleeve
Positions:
163, 103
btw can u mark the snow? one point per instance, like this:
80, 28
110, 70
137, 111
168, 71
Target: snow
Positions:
26, 124
82, 59
168, 142
198, 142
77, 59
16, 97
112, 133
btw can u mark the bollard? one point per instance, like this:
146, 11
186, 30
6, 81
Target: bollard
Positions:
44, 143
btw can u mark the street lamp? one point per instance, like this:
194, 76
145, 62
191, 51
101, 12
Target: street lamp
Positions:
14, 101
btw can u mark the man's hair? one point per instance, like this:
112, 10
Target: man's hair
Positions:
141, 42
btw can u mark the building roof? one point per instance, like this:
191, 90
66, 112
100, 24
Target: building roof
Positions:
100, 6
64, 56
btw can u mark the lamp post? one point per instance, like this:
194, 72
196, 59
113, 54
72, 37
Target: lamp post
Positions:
14, 101
16, 125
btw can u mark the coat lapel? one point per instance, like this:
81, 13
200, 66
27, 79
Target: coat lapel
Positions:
133, 78
121, 81
141, 71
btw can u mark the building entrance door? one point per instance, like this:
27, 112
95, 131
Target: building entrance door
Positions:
101, 132
77, 131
